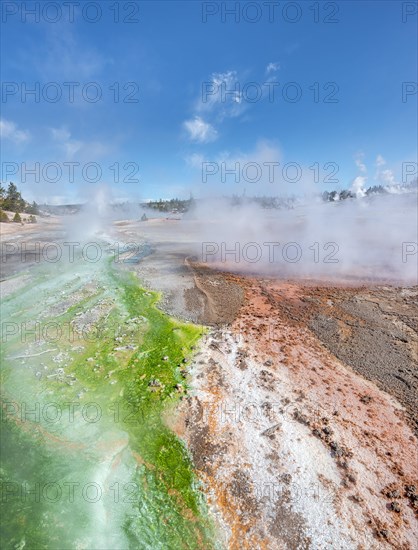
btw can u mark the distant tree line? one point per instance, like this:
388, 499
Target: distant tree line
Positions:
275, 202
280, 203
172, 205
12, 201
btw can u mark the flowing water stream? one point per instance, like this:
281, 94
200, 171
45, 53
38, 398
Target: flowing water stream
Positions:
89, 366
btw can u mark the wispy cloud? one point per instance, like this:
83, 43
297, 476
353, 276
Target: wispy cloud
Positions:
64, 56
225, 95
195, 160
200, 131
222, 95
380, 161
75, 148
272, 67
62, 138
220, 98
9, 131
358, 159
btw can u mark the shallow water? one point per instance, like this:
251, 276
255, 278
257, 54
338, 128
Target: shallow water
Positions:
88, 366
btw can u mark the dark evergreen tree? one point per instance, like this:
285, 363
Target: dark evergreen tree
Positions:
13, 200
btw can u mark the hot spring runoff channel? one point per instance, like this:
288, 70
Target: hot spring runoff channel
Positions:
90, 370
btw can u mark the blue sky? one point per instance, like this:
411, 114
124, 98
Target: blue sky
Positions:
172, 52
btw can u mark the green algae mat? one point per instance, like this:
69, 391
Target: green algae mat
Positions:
90, 370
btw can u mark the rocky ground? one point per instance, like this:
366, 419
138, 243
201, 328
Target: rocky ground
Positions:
293, 423
374, 331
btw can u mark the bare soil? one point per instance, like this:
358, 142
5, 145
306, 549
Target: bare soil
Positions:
341, 362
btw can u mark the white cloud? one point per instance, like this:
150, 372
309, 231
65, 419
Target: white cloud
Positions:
222, 93
63, 56
9, 130
63, 138
200, 131
220, 98
264, 151
195, 160
88, 151
272, 67
358, 159
60, 134
223, 96
380, 161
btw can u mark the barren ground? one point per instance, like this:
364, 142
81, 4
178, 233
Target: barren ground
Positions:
296, 394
